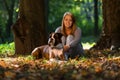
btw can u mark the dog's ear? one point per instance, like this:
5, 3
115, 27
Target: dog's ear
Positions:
59, 35
50, 34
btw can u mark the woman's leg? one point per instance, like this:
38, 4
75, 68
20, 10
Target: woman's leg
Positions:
74, 51
63, 40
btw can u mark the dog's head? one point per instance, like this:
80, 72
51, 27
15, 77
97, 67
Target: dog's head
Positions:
55, 39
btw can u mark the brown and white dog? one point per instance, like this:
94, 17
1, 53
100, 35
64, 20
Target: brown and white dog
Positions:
54, 49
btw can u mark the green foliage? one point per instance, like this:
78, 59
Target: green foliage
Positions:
87, 45
7, 49
83, 11
5, 16
89, 41
29, 57
2, 24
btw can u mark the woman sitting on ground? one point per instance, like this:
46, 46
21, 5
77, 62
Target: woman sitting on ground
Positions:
72, 36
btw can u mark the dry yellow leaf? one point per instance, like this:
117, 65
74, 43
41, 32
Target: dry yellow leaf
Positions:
3, 64
9, 74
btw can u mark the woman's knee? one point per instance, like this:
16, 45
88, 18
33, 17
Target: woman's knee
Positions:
69, 39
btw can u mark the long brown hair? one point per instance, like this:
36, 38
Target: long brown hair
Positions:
73, 24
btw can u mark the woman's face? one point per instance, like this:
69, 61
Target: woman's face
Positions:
67, 21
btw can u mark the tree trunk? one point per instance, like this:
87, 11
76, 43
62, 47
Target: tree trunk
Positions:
110, 37
96, 17
30, 28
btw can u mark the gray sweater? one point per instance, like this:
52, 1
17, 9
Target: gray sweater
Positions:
75, 44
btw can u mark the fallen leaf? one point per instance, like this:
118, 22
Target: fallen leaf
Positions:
9, 74
3, 64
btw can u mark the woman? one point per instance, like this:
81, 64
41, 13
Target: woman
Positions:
72, 36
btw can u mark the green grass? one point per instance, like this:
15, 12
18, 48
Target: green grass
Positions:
88, 41
7, 48
88, 45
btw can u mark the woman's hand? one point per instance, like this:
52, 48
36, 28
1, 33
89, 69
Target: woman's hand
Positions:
66, 48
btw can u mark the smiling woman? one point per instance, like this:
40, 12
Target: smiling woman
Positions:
72, 36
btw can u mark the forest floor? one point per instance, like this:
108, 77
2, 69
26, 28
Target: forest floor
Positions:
96, 65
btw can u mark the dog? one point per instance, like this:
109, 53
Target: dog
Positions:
54, 48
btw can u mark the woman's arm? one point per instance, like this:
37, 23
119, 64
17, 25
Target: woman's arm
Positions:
77, 37
58, 30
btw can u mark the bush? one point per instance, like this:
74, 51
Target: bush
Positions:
7, 49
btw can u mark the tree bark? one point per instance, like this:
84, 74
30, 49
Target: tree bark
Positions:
110, 36
96, 17
30, 28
